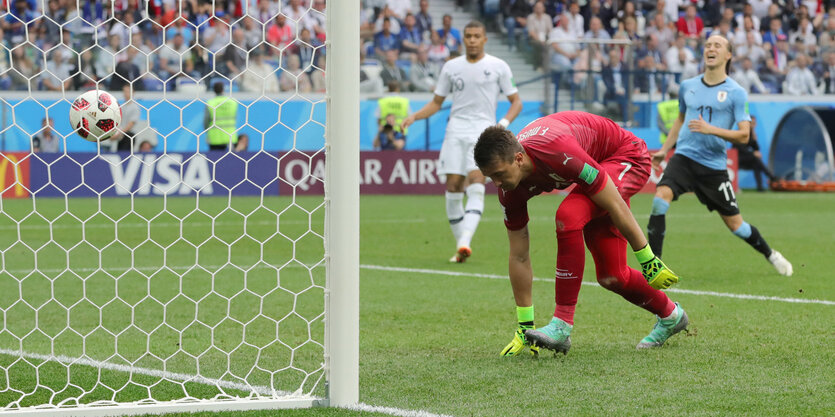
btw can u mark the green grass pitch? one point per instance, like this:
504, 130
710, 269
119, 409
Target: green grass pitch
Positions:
430, 331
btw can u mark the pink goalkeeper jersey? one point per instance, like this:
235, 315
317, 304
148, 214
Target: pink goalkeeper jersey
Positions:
568, 148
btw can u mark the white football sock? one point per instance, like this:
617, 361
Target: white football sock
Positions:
455, 212
475, 206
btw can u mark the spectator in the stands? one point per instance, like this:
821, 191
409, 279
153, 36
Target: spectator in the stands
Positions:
713, 10
423, 74
127, 72
748, 11
691, 24
170, 58
180, 27
827, 37
317, 18
400, 8
597, 32
46, 141
386, 14
576, 20
410, 38
515, 14
760, 7
752, 50
650, 61
108, 56
85, 73
741, 35
259, 76
56, 17
748, 78
628, 30
385, 40
253, 32
829, 73
724, 30
539, 26
424, 19
24, 69
296, 14
775, 13
670, 8
563, 50
680, 61
775, 29
19, 16
800, 81
630, 11
234, 55
309, 49
601, 9
803, 37
438, 52
57, 76
317, 76
293, 78
392, 72
615, 81
661, 30
280, 33
777, 62
450, 35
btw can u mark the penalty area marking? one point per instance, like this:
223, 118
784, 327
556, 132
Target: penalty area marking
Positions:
594, 284
186, 378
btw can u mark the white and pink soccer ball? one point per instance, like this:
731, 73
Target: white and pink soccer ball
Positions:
95, 115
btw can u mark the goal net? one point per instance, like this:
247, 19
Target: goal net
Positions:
205, 258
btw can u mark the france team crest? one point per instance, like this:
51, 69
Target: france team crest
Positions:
721, 96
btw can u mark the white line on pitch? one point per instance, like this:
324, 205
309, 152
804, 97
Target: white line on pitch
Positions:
594, 284
392, 411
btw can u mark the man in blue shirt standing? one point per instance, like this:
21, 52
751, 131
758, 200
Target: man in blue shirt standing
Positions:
710, 106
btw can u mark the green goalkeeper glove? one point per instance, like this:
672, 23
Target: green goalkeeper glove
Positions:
657, 274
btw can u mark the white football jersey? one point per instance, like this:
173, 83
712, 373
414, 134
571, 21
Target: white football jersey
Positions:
475, 89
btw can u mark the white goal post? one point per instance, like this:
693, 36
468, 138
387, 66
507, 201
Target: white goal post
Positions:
165, 290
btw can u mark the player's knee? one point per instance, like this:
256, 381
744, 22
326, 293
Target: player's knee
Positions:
664, 193
568, 223
610, 281
571, 217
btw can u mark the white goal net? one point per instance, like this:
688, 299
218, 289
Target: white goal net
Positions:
196, 261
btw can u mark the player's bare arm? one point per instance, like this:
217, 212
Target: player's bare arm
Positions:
610, 200
672, 138
519, 265
515, 107
736, 136
429, 109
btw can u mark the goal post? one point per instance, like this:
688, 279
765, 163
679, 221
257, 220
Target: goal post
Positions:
342, 212
180, 278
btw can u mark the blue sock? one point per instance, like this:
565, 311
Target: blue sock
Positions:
659, 206
744, 231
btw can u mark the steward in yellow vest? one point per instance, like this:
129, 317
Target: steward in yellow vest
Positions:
220, 120
393, 104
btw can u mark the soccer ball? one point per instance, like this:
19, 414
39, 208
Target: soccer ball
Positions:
95, 115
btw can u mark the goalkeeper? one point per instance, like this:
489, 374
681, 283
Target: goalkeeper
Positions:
607, 165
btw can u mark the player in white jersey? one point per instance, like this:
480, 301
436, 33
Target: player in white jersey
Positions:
475, 82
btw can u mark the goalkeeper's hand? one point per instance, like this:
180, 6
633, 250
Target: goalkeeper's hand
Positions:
658, 275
